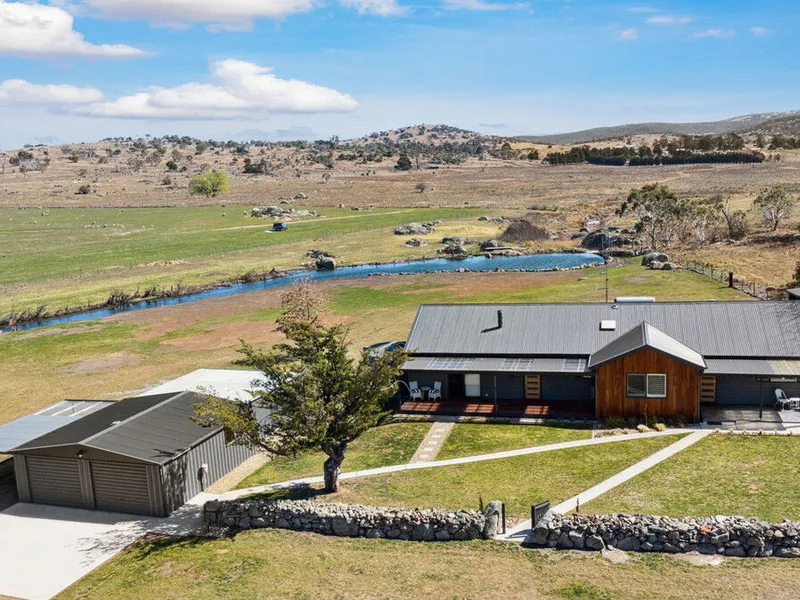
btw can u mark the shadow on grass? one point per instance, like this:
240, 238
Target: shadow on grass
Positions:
296, 492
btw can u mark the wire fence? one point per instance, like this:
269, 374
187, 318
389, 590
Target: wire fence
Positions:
728, 277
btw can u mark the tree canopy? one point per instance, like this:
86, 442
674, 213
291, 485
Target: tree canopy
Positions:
319, 396
776, 203
210, 184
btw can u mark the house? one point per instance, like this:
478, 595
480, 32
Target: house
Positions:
141, 455
627, 359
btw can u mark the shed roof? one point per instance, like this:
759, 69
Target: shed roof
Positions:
794, 293
644, 336
713, 329
46, 420
153, 429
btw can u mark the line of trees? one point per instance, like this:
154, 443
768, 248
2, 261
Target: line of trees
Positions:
664, 218
644, 156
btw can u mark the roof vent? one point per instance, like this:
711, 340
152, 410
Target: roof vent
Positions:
634, 300
608, 325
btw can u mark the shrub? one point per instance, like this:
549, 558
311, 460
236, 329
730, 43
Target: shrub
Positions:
524, 231
209, 184
85, 189
404, 163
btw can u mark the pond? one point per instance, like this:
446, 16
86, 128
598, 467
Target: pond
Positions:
530, 262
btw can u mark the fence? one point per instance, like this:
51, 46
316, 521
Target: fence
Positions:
753, 289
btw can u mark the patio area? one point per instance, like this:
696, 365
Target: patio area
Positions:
747, 417
539, 409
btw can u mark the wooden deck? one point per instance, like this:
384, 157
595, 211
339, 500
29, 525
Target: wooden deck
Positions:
539, 409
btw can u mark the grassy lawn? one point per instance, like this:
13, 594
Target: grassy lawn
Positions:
281, 564
519, 481
755, 476
469, 439
390, 444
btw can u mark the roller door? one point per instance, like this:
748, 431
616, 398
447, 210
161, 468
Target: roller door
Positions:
121, 487
54, 481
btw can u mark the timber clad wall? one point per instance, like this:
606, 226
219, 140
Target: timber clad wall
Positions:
683, 387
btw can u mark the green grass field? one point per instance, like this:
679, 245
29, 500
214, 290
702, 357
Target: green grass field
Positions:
285, 564
390, 444
468, 439
79, 255
756, 476
519, 481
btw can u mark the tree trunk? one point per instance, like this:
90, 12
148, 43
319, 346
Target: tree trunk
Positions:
332, 467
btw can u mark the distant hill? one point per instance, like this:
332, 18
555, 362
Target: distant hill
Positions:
787, 124
425, 134
743, 124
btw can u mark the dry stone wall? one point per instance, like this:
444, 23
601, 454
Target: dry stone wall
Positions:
351, 520
730, 536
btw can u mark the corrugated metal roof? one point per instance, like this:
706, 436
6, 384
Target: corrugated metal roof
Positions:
745, 366
30, 427
643, 336
153, 429
505, 365
794, 293
721, 329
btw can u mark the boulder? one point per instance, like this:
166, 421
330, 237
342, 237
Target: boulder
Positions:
494, 516
656, 265
454, 250
415, 243
668, 266
455, 239
603, 240
326, 263
413, 229
653, 256
490, 245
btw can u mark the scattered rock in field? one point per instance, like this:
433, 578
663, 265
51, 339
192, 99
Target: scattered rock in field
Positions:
326, 263
668, 266
414, 229
654, 256
415, 243
577, 235
453, 250
455, 239
605, 239
314, 253
656, 265
525, 230
272, 212
300, 196
491, 245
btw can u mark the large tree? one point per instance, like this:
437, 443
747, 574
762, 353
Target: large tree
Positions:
319, 396
776, 204
659, 213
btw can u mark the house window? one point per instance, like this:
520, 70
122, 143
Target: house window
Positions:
647, 385
472, 385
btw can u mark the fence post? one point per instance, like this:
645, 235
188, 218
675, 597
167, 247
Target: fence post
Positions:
730, 279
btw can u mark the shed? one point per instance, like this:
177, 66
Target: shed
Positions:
142, 455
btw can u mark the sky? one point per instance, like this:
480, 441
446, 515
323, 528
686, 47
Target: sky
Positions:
81, 70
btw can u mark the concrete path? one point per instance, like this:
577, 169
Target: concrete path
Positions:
432, 443
306, 481
45, 549
521, 531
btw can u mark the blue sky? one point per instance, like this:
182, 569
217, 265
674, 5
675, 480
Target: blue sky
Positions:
74, 70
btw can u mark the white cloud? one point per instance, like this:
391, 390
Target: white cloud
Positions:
225, 12
480, 5
760, 31
631, 33
715, 33
669, 20
242, 91
35, 30
375, 7
19, 91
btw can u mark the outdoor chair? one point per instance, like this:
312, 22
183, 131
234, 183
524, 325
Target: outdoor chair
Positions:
782, 402
436, 392
414, 392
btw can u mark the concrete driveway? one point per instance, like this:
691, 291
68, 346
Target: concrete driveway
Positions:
45, 549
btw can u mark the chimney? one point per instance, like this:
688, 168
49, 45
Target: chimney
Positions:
499, 319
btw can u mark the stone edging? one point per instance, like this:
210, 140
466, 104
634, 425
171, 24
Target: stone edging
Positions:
353, 520
729, 536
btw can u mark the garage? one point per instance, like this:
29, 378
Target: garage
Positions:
55, 481
142, 455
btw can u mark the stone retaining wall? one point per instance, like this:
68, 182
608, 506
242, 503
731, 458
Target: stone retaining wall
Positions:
351, 520
731, 536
